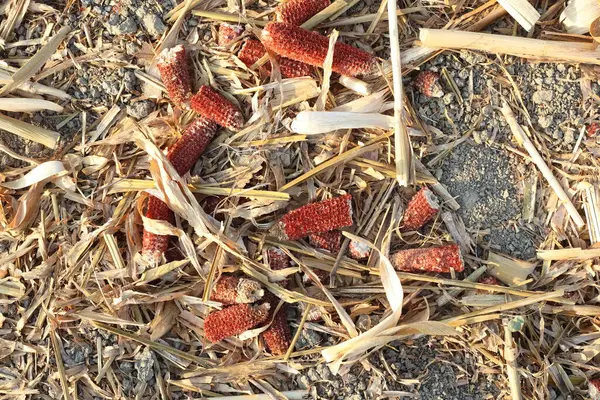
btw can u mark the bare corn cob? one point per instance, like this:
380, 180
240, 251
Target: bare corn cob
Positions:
212, 105
433, 259
297, 12
421, 208
317, 217
183, 155
231, 289
234, 320
172, 64
311, 48
253, 50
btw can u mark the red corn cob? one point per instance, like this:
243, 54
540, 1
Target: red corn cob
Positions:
593, 129
321, 274
421, 208
297, 12
188, 149
317, 217
231, 289
153, 245
427, 83
228, 33
234, 320
173, 67
330, 241
183, 155
358, 250
434, 259
278, 336
594, 389
278, 260
487, 280
212, 105
253, 50
311, 48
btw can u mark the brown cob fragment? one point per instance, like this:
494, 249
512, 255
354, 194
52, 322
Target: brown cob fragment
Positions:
433, 259
311, 48
212, 105
297, 12
172, 63
234, 320
231, 289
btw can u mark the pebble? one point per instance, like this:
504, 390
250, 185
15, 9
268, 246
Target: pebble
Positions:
545, 121
140, 109
542, 96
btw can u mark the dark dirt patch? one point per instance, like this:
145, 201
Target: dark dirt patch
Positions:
486, 184
434, 375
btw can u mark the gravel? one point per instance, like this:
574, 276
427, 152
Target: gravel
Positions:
417, 367
140, 109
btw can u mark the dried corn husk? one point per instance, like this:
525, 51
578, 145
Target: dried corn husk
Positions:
522, 11
28, 105
578, 15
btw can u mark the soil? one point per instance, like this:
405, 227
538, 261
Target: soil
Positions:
486, 178
418, 367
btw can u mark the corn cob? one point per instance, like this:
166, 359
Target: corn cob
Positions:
487, 280
278, 336
421, 208
212, 105
594, 389
358, 250
183, 155
228, 33
330, 241
153, 245
434, 259
297, 12
593, 129
278, 260
317, 217
311, 48
253, 50
427, 82
234, 320
172, 64
231, 289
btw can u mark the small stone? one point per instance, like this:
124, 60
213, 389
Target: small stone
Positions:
153, 25
140, 109
143, 365
312, 375
448, 98
542, 96
545, 121
130, 80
